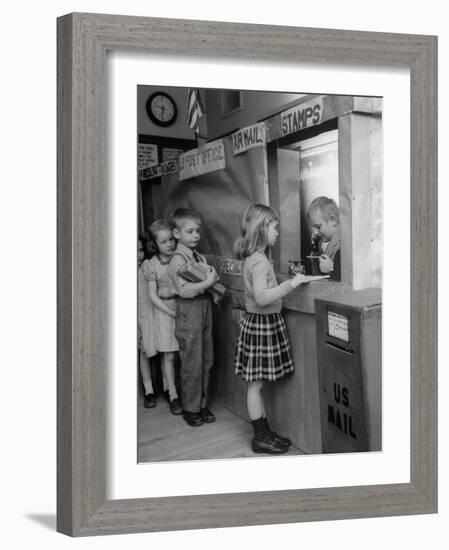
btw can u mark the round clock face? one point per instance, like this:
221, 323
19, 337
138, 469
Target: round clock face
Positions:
161, 109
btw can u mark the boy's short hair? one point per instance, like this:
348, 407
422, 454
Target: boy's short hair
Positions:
328, 207
181, 215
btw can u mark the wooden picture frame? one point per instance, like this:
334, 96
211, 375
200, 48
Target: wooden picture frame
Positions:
83, 40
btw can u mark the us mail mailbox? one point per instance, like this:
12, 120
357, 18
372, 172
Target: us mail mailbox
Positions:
349, 333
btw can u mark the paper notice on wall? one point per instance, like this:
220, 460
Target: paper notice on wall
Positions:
302, 116
146, 155
168, 153
205, 159
248, 138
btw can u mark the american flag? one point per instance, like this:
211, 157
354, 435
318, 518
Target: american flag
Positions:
195, 109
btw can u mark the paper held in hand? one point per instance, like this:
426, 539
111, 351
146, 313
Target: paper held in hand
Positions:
310, 278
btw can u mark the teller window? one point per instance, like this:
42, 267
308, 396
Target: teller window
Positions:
308, 197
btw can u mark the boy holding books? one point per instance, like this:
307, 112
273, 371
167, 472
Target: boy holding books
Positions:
193, 323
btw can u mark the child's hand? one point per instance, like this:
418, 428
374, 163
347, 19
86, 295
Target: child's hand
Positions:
326, 264
298, 279
212, 276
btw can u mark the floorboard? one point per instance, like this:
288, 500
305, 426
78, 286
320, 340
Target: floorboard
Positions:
164, 437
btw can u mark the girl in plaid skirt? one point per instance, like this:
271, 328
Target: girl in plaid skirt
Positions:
263, 349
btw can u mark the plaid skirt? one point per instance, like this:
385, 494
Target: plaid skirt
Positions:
263, 350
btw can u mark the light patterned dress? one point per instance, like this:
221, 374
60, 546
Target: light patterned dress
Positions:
145, 321
164, 325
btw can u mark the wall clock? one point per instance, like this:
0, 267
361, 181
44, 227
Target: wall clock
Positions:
161, 108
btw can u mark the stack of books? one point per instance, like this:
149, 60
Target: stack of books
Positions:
196, 272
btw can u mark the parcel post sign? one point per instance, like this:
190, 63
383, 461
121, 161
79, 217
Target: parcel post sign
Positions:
163, 169
203, 160
248, 138
302, 116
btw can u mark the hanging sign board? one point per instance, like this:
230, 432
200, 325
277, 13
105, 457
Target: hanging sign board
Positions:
205, 159
150, 173
162, 169
302, 116
146, 155
248, 138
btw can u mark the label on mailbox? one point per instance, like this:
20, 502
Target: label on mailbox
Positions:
338, 326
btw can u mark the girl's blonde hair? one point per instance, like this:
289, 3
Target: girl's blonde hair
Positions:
153, 230
254, 230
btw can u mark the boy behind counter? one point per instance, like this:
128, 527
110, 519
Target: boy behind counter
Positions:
325, 222
193, 322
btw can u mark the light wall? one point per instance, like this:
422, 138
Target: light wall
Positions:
255, 107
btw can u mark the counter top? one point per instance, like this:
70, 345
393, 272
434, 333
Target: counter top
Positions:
301, 299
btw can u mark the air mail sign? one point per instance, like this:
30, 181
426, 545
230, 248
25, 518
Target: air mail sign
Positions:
248, 138
302, 116
203, 160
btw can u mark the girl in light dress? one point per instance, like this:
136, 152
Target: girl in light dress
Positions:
163, 298
145, 323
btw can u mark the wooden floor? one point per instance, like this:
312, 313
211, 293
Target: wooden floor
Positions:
164, 437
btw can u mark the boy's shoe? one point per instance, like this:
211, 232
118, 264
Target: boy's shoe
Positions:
192, 419
266, 443
207, 416
175, 406
150, 401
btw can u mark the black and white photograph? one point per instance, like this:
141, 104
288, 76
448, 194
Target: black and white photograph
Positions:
259, 273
